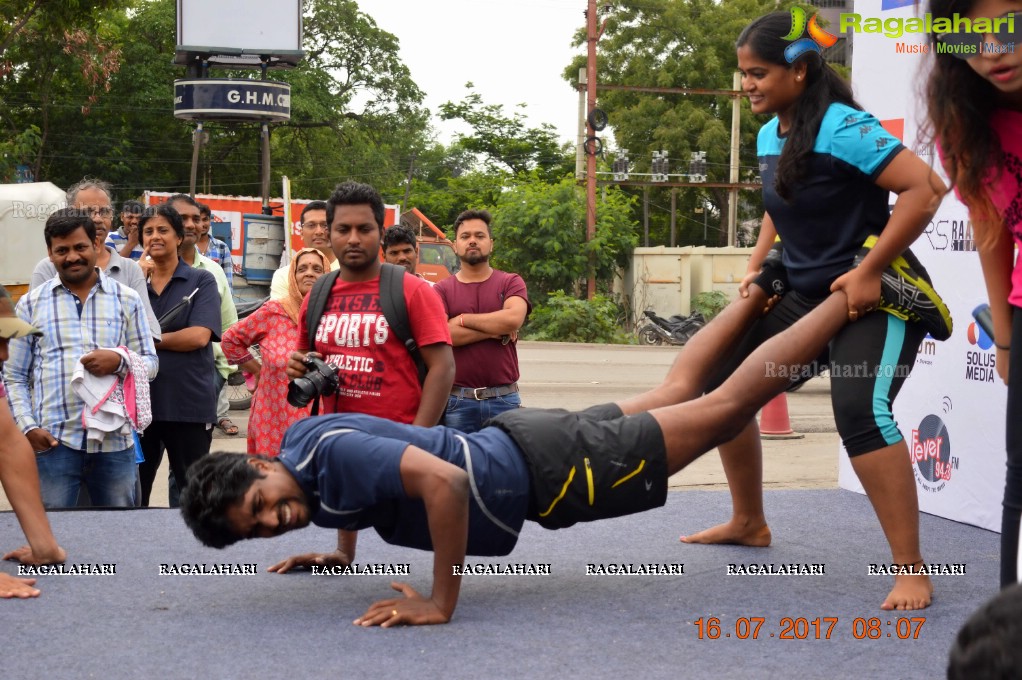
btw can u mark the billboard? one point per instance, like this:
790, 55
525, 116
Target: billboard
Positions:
951, 409
239, 33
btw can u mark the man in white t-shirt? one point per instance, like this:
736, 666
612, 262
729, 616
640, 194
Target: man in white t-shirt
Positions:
315, 234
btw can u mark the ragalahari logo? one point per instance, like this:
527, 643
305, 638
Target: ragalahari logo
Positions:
817, 40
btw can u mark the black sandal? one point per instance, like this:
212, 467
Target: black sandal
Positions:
228, 427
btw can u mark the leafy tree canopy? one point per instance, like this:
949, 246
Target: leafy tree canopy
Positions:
506, 143
539, 229
676, 44
96, 80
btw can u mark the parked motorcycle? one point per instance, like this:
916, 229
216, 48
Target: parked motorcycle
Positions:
676, 330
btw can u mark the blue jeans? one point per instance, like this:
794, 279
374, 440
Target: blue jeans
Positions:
109, 477
468, 414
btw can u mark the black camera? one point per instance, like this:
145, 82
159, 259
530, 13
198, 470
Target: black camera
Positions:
320, 380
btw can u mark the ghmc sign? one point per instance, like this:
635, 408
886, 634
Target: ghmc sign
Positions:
228, 99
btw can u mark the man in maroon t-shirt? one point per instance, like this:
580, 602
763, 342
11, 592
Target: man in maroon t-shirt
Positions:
377, 375
485, 309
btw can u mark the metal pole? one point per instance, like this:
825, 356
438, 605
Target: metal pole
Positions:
590, 156
674, 212
732, 203
267, 210
265, 134
196, 145
580, 163
645, 217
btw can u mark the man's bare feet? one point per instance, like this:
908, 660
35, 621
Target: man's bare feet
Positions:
911, 591
17, 587
755, 534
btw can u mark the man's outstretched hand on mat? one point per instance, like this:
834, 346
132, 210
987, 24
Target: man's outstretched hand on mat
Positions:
336, 558
347, 542
25, 555
413, 609
11, 587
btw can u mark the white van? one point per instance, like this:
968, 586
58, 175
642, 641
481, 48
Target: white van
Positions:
23, 212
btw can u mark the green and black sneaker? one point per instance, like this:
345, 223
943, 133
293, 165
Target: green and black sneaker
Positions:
906, 292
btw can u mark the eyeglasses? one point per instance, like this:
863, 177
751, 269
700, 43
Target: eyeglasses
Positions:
94, 211
967, 45
315, 225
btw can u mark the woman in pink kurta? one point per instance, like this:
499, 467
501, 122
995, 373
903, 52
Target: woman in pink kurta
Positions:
274, 327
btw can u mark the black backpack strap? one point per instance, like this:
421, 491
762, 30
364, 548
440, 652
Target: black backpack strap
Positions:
318, 296
392, 300
317, 303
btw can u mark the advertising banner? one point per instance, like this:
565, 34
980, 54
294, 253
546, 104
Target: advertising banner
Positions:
951, 409
230, 209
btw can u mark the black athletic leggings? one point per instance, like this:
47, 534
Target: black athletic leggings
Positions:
868, 360
1012, 506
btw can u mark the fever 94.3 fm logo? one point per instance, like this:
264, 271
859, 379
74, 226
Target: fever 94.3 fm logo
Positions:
930, 449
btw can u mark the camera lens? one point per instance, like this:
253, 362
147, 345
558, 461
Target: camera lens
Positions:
300, 392
320, 380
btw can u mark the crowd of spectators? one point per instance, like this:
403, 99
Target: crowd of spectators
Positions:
121, 349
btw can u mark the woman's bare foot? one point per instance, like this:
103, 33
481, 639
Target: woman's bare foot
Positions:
755, 534
911, 591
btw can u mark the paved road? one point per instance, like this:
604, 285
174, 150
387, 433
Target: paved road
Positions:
574, 376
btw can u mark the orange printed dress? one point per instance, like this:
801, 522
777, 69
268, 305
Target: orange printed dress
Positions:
272, 329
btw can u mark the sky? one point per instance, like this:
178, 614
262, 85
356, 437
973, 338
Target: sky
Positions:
513, 51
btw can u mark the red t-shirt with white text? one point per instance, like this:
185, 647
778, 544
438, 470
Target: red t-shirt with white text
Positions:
377, 374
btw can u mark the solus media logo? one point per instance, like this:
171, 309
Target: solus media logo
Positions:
818, 38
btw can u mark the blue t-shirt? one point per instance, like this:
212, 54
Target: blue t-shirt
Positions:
837, 204
348, 465
183, 391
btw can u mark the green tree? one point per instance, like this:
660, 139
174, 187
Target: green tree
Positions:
474, 170
539, 229
13, 152
55, 57
446, 181
563, 318
506, 143
355, 110
677, 44
23, 21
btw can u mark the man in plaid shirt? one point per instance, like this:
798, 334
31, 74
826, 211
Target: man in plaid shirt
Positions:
212, 247
82, 313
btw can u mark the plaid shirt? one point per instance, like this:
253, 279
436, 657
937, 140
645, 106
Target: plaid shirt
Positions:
221, 254
38, 373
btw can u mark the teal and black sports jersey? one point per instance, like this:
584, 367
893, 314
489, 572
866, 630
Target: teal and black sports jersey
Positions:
837, 204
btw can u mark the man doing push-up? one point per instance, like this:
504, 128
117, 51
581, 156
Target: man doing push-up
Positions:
469, 494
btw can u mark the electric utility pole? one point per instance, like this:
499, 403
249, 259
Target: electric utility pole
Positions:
591, 38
